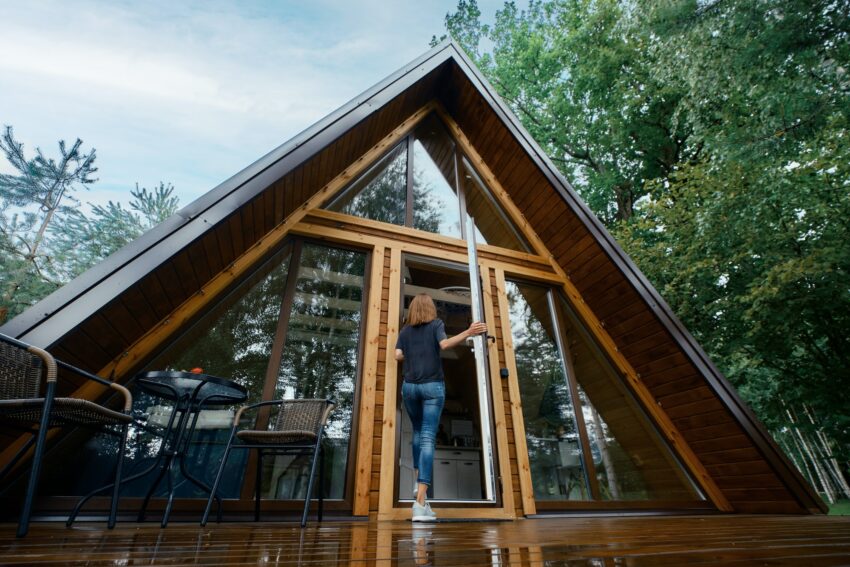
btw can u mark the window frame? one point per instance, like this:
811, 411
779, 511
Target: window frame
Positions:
459, 159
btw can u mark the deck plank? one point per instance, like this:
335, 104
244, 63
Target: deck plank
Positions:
646, 540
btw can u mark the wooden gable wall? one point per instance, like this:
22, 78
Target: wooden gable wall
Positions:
712, 420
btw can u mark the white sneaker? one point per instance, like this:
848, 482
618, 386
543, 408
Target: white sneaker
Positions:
423, 513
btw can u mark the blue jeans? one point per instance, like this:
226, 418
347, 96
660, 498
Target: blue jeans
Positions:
424, 404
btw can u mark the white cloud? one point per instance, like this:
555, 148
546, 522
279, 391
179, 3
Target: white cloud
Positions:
191, 93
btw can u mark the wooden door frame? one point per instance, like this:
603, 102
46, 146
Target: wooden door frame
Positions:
388, 507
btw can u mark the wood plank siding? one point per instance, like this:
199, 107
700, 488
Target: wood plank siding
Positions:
108, 319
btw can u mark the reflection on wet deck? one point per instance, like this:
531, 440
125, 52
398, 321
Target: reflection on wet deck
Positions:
676, 540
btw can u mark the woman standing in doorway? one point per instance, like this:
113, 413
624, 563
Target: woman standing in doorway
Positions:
424, 390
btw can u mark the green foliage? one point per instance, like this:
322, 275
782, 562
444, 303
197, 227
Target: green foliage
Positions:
45, 239
756, 263
840, 508
712, 138
578, 75
85, 240
758, 76
37, 199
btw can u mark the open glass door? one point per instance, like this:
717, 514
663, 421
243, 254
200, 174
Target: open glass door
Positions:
478, 347
464, 455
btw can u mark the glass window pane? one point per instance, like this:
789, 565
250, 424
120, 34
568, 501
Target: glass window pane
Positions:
319, 360
379, 194
632, 461
492, 225
554, 448
436, 207
233, 340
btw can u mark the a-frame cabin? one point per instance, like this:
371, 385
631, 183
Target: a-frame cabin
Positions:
292, 277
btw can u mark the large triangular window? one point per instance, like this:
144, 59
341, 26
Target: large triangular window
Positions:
426, 183
587, 435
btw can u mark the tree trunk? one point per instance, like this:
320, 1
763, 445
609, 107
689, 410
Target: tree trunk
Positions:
837, 473
610, 473
51, 210
805, 468
807, 450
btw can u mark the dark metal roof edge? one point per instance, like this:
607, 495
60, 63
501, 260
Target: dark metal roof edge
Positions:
716, 380
44, 309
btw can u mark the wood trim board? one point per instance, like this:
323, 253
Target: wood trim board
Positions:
368, 385
388, 433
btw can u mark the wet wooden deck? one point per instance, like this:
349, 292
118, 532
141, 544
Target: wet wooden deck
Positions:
632, 541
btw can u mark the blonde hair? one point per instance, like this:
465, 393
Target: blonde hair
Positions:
422, 310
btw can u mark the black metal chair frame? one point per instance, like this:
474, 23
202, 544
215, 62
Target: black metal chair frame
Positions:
275, 449
39, 435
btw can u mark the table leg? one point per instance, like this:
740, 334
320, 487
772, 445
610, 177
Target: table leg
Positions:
170, 503
165, 469
196, 481
186, 451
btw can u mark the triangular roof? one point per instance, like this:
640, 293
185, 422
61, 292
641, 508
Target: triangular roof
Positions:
95, 318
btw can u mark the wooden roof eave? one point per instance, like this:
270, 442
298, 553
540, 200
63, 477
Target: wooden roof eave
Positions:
96, 287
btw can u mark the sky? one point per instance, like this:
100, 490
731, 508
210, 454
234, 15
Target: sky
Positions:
190, 93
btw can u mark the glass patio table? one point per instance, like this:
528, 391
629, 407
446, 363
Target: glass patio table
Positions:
190, 393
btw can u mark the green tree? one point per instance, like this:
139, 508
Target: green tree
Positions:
751, 244
32, 202
84, 240
45, 238
578, 75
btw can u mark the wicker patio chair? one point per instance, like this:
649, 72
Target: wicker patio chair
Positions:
24, 371
297, 430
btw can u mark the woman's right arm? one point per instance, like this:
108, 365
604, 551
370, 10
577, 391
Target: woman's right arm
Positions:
476, 328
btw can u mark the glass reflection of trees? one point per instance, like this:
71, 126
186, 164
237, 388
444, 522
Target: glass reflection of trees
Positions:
633, 462
232, 340
629, 459
436, 206
382, 192
546, 404
319, 359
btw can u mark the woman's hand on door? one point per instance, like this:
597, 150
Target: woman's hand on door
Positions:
477, 328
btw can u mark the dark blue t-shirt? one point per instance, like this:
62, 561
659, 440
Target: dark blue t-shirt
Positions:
421, 348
